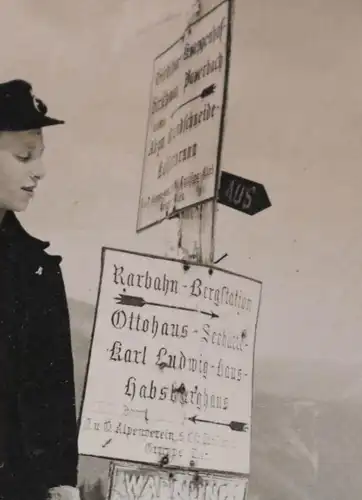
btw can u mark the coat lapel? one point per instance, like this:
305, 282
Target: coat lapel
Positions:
30, 279
14, 235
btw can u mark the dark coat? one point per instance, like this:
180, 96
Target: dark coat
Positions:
37, 372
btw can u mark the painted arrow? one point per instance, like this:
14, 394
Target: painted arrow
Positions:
243, 195
234, 426
131, 300
210, 89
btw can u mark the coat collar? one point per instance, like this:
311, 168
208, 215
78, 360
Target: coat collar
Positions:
12, 232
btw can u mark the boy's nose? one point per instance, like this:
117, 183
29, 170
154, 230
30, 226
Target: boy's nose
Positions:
37, 170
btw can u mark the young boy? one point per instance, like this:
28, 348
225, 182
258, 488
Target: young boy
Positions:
38, 429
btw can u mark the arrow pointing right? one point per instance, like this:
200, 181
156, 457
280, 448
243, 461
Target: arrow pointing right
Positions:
131, 300
210, 89
243, 195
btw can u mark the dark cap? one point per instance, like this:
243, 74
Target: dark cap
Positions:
20, 109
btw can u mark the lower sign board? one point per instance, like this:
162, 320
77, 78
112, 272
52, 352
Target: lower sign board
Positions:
170, 373
131, 483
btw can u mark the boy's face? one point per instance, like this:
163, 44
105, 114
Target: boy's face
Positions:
20, 167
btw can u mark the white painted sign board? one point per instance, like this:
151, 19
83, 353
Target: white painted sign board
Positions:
141, 483
171, 364
184, 127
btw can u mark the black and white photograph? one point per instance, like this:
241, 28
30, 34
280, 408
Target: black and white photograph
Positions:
180, 250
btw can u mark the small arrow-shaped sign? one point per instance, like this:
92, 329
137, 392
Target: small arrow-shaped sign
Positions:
131, 300
242, 194
234, 426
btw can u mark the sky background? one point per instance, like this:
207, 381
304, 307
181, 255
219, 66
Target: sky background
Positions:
294, 123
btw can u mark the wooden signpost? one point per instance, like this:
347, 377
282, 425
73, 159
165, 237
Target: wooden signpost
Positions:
174, 338
185, 129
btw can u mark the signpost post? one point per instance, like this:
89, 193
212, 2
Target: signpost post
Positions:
185, 131
169, 384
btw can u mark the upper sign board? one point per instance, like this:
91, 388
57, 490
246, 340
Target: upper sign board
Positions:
171, 364
184, 127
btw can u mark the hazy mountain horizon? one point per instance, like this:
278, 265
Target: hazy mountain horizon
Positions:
315, 380
306, 440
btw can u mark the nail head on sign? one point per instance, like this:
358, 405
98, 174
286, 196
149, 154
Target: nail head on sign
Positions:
164, 460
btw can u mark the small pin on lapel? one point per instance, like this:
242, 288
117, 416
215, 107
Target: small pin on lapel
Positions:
39, 272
